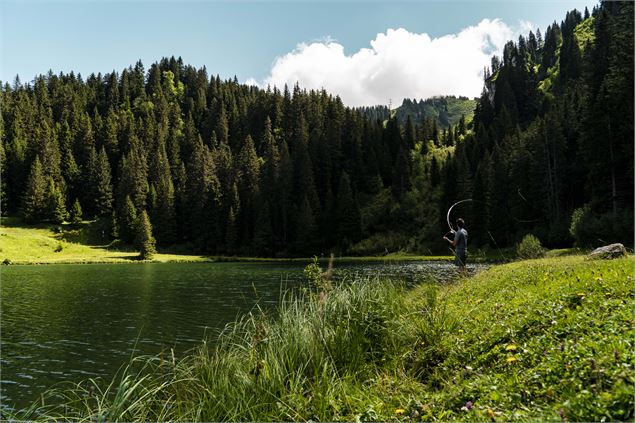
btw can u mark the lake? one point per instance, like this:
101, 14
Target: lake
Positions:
71, 322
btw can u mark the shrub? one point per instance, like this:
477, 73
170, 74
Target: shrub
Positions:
592, 230
380, 243
583, 226
59, 247
529, 248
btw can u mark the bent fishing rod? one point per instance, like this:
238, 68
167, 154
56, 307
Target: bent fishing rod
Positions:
447, 217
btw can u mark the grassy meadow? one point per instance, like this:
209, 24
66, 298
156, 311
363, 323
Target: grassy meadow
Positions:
46, 243
548, 339
84, 243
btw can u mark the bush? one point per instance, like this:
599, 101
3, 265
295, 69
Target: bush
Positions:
380, 243
583, 227
529, 248
591, 230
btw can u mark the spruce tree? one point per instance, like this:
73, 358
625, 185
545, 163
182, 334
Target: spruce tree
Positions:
163, 207
248, 187
101, 184
34, 194
70, 170
75, 215
144, 240
127, 221
263, 235
305, 230
231, 232
55, 204
347, 213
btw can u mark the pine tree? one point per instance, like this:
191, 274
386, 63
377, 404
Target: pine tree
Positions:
163, 208
284, 198
3, 171
263, 235
144, 240
55, 204
347, 213
69, 168
305, 229
248, 188
75, 215
17, 168
231, 232
100, 183
34, 194
127, 221
133, 175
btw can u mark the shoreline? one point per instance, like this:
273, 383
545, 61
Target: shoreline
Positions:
186, 258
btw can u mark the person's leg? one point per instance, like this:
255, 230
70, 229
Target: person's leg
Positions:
463, 262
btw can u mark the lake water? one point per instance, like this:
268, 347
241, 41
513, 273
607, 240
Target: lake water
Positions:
71, 322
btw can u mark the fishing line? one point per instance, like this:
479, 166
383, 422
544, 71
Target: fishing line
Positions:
447, 217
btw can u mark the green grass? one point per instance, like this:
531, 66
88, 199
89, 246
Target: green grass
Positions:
46, 243
50, 244
547, 339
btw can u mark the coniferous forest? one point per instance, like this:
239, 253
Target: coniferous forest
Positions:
223, 168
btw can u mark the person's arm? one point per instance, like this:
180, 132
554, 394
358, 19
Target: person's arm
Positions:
453, 243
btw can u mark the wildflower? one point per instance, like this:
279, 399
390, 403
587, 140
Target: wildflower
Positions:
469, 405
511, 347
490, 414
399, 411
511, 359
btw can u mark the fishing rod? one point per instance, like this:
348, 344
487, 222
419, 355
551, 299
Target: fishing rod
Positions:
451, 231
447, 217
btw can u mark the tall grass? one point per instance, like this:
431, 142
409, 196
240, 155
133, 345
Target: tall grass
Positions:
309, 361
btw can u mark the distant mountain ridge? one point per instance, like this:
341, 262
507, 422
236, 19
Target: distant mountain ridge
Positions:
447, 110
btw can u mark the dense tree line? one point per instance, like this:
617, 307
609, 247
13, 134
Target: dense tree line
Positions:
443, 111
174, 154
223, 167
553, 133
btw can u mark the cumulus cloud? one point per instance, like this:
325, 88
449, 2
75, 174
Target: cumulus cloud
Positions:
399, 64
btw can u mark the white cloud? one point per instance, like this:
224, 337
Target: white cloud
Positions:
399, 64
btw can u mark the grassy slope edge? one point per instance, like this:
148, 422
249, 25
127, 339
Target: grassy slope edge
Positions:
547, 339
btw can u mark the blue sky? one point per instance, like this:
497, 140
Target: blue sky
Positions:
241, 38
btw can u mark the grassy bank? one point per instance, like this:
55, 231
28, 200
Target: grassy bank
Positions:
46, 243
85, 243
547, 339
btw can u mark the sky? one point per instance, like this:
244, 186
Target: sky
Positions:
368, 52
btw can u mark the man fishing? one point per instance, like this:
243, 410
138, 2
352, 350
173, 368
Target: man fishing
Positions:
460, 244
